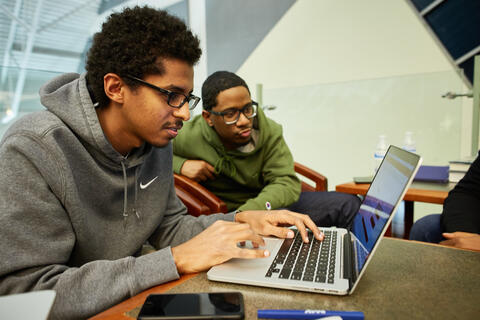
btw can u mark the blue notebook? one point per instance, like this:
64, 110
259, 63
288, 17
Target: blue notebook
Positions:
432, 174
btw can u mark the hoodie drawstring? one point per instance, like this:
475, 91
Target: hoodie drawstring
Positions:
226, 166
137, 213
125, 194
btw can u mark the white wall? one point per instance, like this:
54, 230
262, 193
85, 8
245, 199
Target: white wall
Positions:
341, 40
342, 72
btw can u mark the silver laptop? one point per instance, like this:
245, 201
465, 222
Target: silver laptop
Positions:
335, 265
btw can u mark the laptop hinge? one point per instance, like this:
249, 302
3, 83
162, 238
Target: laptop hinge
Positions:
348, 261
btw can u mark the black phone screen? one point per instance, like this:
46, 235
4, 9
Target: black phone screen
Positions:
215, 305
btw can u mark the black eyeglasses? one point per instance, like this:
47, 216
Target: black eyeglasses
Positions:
174, 99
231, 116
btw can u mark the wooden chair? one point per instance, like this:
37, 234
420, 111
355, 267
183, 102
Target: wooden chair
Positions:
199, 200
320, 181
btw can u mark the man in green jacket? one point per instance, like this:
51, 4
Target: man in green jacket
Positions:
240, 155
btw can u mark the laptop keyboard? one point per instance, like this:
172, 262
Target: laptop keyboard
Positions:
313, 261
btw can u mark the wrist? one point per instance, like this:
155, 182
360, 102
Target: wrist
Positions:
238, 215
177, 258
182, 168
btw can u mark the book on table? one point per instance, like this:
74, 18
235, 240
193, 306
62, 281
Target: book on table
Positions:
455, 176
458, 168
432, 174
461, 165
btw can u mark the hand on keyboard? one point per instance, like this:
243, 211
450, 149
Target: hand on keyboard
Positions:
274, 222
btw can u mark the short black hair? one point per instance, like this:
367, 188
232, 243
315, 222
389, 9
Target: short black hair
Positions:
134, 42
217, 82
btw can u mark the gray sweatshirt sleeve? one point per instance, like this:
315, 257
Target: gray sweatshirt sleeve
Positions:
37, 241
178, 227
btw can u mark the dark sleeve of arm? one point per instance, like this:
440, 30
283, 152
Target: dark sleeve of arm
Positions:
37, 240
461, 210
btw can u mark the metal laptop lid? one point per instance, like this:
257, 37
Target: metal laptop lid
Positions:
388, 188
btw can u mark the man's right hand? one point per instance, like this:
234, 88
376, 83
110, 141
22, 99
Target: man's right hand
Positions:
215, 245
219, 242
198, 170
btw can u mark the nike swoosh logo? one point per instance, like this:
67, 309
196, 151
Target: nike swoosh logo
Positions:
143, 186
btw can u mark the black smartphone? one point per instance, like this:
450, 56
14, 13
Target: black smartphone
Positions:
214, 305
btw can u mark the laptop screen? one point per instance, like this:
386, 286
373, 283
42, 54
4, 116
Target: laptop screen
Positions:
382, 197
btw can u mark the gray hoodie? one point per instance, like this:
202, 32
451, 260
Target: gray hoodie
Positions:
74, 212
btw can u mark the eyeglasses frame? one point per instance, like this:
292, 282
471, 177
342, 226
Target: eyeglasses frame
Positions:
169, 93
241, 111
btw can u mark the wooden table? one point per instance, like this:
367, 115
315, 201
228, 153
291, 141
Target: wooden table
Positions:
419, 191
404, 280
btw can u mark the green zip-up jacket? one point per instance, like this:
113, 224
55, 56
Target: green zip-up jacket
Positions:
245, 181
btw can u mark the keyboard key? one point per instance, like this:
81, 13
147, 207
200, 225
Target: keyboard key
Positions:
285, 274
308, 277
296, 276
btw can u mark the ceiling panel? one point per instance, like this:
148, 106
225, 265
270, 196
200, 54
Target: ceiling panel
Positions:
60, 38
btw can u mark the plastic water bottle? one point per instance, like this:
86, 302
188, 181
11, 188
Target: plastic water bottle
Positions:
380, 151
409, 142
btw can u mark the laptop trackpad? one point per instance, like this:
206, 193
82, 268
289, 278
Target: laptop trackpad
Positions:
245, 266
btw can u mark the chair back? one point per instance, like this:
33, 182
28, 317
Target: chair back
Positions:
321, 182
200, 200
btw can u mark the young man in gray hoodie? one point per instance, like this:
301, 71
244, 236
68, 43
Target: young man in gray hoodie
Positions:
85, 183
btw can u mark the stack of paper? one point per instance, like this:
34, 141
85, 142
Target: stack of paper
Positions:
458, 168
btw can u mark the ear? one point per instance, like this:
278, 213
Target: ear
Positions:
206, 115
114, 87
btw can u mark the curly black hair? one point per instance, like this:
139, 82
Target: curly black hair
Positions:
217, 82
134, 42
